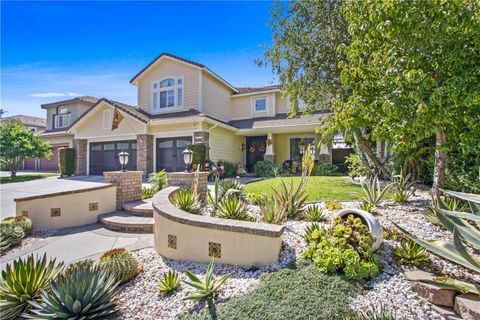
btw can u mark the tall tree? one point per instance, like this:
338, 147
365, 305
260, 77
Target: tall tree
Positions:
18, 143
413, 70
304, 55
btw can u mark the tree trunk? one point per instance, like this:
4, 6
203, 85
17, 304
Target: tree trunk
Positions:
360, 151
440, 164
365, 146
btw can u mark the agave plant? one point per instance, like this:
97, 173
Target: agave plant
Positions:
410, 252
233, 208
22, 281
206, 287
272, 211
292, 198
10, 235
169, 283
314, 213
372, 194
446, 203
231, 187
185, 199
85, 293
463, 232
402, 187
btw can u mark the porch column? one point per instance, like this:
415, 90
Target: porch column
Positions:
145, 153
269, 152
80, 146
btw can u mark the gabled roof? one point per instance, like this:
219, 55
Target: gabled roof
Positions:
244, 90
280, 120
85, 99
183, 60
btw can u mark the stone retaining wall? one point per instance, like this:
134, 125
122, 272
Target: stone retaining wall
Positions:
129, 185
184, 236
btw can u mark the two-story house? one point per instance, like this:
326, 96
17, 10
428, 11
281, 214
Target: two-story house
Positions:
182, 102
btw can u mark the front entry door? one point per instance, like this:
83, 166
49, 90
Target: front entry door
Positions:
255, 148
169, 153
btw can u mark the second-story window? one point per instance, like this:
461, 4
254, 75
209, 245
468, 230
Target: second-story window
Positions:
167, 93
260, 104
62, 118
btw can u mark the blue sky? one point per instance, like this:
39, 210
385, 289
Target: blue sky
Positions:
55, 50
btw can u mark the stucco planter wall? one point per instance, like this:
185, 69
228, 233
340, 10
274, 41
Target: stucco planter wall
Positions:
184, 236
373, 224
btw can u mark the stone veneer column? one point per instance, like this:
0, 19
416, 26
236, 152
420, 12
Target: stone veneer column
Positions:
203, 137
80, 146
129, 185
187, 179
269, 152
145, 153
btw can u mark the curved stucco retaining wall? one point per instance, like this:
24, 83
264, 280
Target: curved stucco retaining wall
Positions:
184, 236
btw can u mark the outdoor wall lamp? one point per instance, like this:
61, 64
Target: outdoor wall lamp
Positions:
123, 158
301, 145
187, 158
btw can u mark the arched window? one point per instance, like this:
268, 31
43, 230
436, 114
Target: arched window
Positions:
167, 93
62, 118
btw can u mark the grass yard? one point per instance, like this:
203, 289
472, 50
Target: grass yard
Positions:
26, 177
318, 188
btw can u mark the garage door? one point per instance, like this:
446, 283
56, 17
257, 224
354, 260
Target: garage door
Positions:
104, 156
52, 163
169, 153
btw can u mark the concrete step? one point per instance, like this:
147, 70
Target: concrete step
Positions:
125, 222
141, 208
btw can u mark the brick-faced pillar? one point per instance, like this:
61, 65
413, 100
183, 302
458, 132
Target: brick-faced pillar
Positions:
80, 146
129, 185
187, 179
145, 153
203, 137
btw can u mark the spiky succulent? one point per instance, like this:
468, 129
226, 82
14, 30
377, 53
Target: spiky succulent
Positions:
85, 293
22, 281
169, 283
205, 287
82, 264
314, 214
233, 208
292, 197
231, 187
372, 194
272, 211
10, 235
120, 263
409, 252
185, 199
20, 221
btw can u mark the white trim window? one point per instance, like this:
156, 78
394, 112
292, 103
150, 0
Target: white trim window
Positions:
167, 93
260, 104
62, 118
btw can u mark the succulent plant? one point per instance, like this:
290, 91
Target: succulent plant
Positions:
402, 187
186, 200
272, 211
409, 252
22, 281
20, 221
169, 283
292, 198
10, 235
372, 194
148, 193
333, 205
233, 208
206, 287
314, 213
120, 263
85, 293
374, 313
231, 187
82, 264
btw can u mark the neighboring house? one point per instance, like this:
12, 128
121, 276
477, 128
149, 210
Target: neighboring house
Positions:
182, 102
35, 124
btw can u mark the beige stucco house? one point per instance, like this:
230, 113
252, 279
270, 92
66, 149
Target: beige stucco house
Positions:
182, 102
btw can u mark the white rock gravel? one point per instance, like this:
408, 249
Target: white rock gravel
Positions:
30, 240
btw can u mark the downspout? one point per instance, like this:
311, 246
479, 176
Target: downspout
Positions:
209, 137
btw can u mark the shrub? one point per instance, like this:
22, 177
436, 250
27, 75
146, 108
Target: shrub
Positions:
346, 246
300, 293
292, 198
85, 293
272, 211
67, 163
20, 221
355, 165
333, 205
325, 169
22, 281
372, 194
169, 283
233, 208
411, 253
120, 263
314, 213
199, 153
206, 287
230, 168
186, 200
158, 180
148, 193
263, 169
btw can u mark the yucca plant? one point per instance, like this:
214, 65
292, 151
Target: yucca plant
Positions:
402, 187
314, 213
205, 287
22, 281
233, 208
272, 211
410, 252
120, 263
186, 200
85, 293
292, 198
169, 283
372, 194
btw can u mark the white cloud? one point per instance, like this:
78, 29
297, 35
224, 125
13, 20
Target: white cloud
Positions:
47, 95
73, 94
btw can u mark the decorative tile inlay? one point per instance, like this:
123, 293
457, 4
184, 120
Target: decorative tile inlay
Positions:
25, 213
172, 241
55, 212
93, 206
214, 249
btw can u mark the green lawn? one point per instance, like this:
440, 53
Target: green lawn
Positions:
318, 188
26, 177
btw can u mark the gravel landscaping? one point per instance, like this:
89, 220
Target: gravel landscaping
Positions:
29, 241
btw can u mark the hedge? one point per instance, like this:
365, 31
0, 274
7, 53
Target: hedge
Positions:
199, 153
66, 161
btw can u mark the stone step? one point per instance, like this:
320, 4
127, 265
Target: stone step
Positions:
125, 222
139, 208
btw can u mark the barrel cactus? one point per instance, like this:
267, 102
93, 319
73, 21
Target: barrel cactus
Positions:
119, 262
84, 293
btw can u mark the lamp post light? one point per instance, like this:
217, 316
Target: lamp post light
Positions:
187, 158
301, 145
312, 152
123, 158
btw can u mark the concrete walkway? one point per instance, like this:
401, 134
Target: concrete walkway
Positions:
73, 244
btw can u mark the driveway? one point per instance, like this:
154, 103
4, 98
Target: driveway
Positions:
10, 191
